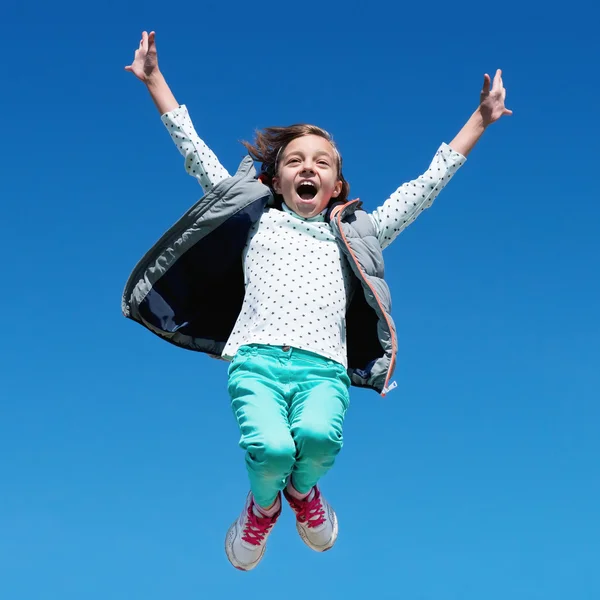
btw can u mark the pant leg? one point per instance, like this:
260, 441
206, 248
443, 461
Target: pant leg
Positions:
262, 414
317, 412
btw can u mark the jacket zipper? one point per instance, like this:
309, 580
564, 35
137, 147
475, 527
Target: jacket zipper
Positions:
338, 217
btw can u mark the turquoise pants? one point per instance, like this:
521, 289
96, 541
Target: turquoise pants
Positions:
290, 406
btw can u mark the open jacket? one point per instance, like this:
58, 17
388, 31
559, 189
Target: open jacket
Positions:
189, 287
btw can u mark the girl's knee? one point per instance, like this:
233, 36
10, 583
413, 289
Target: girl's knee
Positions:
318, 440
274, 457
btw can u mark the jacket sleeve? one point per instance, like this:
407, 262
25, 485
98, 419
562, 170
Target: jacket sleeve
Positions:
200, 161
412, 198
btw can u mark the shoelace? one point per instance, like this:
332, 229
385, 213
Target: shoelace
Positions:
256, 527
308, 511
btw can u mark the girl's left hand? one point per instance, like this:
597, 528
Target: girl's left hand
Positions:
145, 61
491, 102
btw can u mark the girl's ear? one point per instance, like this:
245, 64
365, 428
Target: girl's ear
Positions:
275, 184
337, 190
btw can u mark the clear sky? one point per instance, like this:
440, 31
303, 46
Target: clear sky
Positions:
477, 478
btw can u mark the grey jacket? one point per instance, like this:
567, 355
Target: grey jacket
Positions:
189, 287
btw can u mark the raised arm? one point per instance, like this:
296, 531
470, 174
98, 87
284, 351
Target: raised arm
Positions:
200, 162
412, 198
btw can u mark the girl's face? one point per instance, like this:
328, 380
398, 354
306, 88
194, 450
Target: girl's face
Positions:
307, 175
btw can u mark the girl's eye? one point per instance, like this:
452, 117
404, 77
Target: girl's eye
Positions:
293, 161
323, 163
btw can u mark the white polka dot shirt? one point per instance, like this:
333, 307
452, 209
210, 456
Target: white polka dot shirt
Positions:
298, 282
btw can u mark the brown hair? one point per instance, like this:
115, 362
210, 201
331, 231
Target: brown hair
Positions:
270, 142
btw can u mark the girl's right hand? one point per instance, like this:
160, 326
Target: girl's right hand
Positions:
145, 60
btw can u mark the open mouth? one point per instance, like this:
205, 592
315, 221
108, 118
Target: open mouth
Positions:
307, 190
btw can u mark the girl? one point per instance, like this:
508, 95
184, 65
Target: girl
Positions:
313, 317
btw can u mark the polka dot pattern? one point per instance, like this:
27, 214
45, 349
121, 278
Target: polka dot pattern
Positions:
297, 286
200, 161
412, 198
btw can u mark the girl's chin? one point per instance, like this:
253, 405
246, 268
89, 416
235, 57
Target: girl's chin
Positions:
308, 205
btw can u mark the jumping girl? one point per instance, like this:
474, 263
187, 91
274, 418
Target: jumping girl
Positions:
314, 312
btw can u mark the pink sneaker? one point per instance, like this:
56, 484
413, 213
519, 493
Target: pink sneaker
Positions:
316, 521
247, 537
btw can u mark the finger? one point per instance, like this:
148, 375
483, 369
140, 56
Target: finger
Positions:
144, 42
486, 84
151, 38
507, 112
497, 80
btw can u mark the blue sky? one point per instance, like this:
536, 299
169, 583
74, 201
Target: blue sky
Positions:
477, 477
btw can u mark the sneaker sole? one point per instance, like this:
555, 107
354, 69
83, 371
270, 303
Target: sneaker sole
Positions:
232, 533
329, 544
